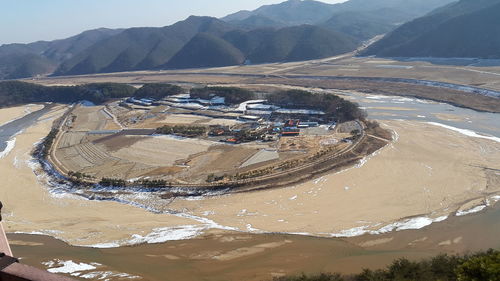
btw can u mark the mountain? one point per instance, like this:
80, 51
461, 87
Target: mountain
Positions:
257, 21
206, 50
205, 42
296, 43
296, 12
292, 12
141, 48
411, 7
361, 26
25, 65
42, 57
468, 28
359, 19
290, 31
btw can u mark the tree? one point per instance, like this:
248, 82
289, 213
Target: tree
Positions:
482, 267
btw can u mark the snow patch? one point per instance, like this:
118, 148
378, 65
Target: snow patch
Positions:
158, 235
252, 229
84, 270
465, 132
161, 235
106, 245
10, 145
107, 275
86, 103
357, 231
412, 223
68, 266
470, 211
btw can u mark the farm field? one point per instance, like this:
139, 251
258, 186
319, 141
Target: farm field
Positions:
118, 141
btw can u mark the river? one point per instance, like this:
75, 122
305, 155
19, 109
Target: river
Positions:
9, 130
403, 108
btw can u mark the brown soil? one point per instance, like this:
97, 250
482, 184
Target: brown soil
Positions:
116, 142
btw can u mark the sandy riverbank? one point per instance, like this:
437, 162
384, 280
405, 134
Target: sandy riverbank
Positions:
429, 171
30, 208
12, 113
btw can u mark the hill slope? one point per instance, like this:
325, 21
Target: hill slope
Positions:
141, 48
25, 60
206, 50
296, 12
359, 19
297, 43
468, 28
291, 12
359, 25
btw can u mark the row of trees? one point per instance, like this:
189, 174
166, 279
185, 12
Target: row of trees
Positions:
184, 131
158, 91
143, 183
483, 266
48, 141
112, 182
232, 95
333, 106
17, 92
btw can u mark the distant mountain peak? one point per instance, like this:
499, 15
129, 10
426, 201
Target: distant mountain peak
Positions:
466, 28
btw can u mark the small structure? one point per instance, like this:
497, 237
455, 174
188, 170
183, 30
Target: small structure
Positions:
243, 106
291, 123
252, 118
139, 102
216, 130
308, 124
270, 137
290, 132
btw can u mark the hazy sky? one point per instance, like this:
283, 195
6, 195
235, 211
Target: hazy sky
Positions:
23, 21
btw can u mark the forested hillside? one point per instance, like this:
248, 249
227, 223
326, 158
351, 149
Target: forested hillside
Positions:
468, 28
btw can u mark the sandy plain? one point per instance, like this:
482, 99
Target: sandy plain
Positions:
30, 208
427, 171
12, 113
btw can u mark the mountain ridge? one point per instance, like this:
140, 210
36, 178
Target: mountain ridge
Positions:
288, 31
460, 29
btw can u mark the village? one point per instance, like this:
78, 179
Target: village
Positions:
214, 140
256, 119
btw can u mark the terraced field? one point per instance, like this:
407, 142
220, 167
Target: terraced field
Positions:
70, 139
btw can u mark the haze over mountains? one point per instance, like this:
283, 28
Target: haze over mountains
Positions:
290, 31
467, 28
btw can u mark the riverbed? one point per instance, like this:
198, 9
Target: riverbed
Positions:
443, 163
13, 127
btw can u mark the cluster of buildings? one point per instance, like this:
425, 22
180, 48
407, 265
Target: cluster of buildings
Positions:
140, 102
259, 119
